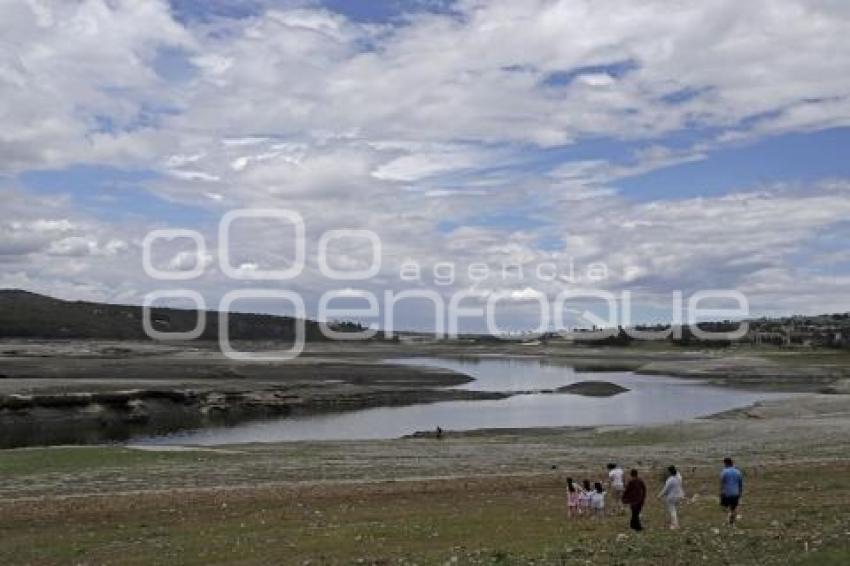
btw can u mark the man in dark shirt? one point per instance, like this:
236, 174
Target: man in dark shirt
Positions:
634, 496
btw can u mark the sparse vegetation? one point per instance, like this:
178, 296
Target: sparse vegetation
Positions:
792, 513
29, 315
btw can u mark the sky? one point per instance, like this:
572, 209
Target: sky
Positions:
683, 146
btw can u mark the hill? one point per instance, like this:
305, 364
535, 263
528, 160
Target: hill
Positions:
29, 315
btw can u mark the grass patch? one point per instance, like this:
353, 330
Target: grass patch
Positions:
72, 459
788, 517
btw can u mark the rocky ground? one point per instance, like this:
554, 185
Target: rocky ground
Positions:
479, 497
54, 392
490, 496
91, 392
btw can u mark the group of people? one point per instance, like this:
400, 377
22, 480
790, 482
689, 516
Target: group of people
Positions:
584, 499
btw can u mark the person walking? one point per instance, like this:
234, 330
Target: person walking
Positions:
597, 500
616, 485
573, 499
584, 497
634, 496
671, 494
731, 488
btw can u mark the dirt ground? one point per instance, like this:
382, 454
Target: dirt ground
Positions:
479, 497
791, 513
33, 365
488, 497
72, 391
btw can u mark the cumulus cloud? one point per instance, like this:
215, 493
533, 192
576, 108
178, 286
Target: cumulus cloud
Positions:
76, 78
434, 131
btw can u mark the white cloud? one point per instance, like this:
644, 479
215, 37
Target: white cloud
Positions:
194, 175
438, 78
187, 260
67, 65
73, 246
409, 130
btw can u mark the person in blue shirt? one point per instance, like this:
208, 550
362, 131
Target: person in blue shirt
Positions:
731, 488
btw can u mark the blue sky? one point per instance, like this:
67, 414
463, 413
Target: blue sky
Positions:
794, 158
788, 158
370, 11
112, 194
672, 146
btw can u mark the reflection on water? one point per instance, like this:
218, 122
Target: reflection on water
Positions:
651, 399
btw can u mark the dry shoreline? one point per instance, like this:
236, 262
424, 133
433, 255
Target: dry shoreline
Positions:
56, 399
55, 392
810, 428
494, 498
477, 497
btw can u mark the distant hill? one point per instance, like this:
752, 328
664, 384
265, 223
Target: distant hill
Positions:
29, 315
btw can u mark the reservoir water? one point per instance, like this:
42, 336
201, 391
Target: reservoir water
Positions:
650, 400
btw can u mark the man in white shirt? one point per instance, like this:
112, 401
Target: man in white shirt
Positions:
616, 485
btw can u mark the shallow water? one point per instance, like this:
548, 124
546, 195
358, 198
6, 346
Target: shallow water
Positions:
651, 399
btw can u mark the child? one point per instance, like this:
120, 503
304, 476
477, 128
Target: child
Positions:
573, 498
584, 497
597, 500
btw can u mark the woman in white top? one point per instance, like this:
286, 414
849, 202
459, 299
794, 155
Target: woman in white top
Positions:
671, 494
617, 486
